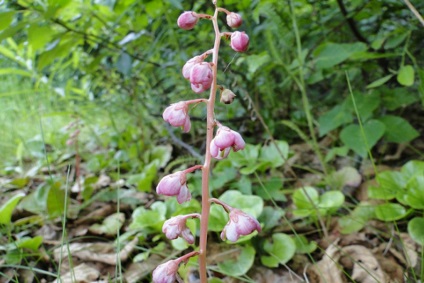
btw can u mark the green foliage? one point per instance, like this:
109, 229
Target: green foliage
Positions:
7, 209
109, 65
110, 225
358, 218
406, 75
250, 204
360, 140
48, 199
239, 265
281, 249
416, 230
308, 202
407, 188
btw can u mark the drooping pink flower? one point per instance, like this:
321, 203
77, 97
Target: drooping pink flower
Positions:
224, 140
234, 20
166, 272
239, 224
187, 20
239, 41
201, 77
174, 185
176, 227
189, 65
177, 115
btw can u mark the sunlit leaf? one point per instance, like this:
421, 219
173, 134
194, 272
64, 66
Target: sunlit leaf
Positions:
390, 212
7, 208
406, 75
281, 249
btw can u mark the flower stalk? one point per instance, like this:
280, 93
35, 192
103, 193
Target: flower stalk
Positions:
210, 124
202, 76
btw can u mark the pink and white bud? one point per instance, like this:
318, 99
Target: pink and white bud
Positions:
224, 140
187, 20
166, 272
189, 65
239, 41
239, 224
234, 20
176, 227
201, 77
174, 185
177, 116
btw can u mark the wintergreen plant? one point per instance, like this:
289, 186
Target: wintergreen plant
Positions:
202, 76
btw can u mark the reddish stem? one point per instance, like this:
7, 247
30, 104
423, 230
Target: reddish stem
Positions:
192, 169
224, 10
188, 102
210, 123
223, 204
185, 257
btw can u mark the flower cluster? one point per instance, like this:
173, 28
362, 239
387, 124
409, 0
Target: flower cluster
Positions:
202, 76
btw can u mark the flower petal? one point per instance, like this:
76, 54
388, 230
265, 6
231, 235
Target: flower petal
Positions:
184, 194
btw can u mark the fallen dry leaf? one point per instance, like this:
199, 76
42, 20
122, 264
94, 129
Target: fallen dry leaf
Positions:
265, 275
363, 263
80, 274
327, 269
366, 268
99, 252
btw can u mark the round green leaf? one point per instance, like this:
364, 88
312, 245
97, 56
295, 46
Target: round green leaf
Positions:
305, 199
241, 264
390, 211
406, 75
390, 183
303, 246
415, 193
275, 156
416, 230
248, 203
281, 250
412, 169
331, 200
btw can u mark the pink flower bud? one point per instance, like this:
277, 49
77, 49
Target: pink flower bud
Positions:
187, 20
239, 224
234, 20
189, 65
177, 115
239, 41
166, 272
174, 185
224, 140
201, 77
176, 227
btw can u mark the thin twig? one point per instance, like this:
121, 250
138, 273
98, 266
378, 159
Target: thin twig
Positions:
414, 11
179, 142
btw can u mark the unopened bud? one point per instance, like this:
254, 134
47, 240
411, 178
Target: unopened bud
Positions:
234, 20
227, 96
187, 20
239, 41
